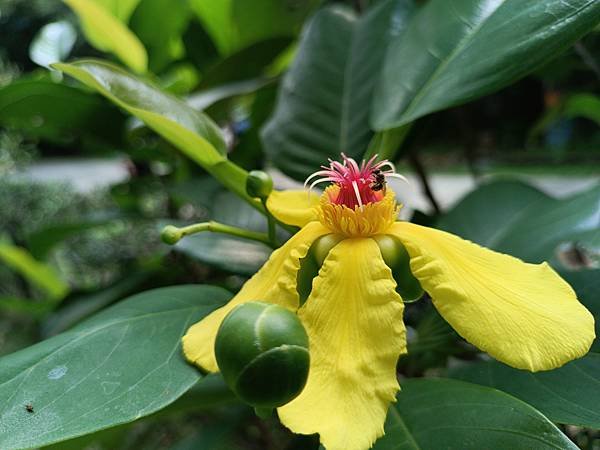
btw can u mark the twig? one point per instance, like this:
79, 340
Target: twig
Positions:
420, 169
587, 58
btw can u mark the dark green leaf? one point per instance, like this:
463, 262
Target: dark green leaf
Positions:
249, 62
434, 414
455, 51
118, 366
324, 99
515, 218
56, 112
569, 394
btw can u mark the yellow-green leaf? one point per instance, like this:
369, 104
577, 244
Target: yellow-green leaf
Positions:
107, 33
34, 271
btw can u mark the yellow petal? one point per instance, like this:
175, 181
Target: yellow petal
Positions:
293, 207
275, 282
353, 318
524, 315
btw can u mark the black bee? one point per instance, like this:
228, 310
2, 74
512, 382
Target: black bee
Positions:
29, 408
379, 183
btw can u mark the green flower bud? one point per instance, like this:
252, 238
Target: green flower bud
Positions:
397, 259
312, 262
262, 352
259, 184
171, 235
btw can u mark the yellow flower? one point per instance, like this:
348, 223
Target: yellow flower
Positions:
522, 314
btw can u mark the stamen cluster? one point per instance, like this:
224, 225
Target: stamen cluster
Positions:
358, 185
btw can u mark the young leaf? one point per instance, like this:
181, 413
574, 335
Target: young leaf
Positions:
123, 364
105, 32
456, 51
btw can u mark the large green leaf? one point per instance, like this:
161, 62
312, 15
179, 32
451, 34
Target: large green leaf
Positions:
324, 99
512, 217
569, 394
107, 33
434, 414
118, 366
43, 108
192, 132
458, 50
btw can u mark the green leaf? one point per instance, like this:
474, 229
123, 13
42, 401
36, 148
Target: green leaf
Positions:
52, 43
568, 395
118, 366
324, 99
84, 305
57, 112
121, 9
433, 414
514, 218
453, 52
192, 132
586, 106
166, 46
216, 19
248, 62
107, 33
269, 18
36, 272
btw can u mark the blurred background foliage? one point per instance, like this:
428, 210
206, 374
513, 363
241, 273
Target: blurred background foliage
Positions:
84, 189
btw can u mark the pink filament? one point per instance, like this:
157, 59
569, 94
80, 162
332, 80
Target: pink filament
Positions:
354, 181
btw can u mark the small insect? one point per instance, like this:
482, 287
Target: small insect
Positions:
379, 183
29, 408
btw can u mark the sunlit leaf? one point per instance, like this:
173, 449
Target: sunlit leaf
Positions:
192, 132
107, 33
52, 43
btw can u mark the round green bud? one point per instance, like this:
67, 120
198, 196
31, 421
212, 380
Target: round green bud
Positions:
170, 235
259, 184
397, 259
262, 353
312, 262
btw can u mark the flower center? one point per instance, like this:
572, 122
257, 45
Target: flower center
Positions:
358, 203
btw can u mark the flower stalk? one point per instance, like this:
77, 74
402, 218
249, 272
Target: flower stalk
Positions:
172, 234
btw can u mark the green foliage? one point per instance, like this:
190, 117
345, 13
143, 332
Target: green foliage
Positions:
86, 379
462, 50
278, 86
433, 414
324, 103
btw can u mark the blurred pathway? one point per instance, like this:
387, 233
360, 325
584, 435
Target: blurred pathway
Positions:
88, 175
